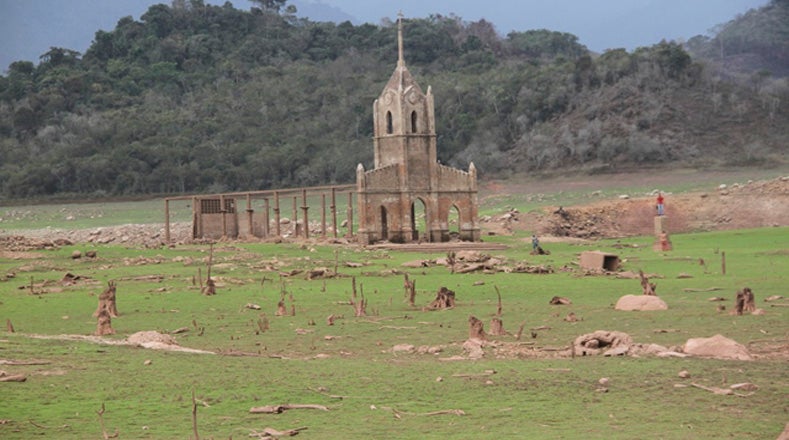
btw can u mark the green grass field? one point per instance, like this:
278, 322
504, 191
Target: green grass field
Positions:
372, 392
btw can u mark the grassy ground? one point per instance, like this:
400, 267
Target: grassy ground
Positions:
350, 367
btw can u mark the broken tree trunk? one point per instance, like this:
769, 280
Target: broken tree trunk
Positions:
476, 329
360, 307
281, 310
649, 288
496, 324
108, 297
104, 320
210, 285
750, 302
445, 299
744, 301
410, 290
497, 327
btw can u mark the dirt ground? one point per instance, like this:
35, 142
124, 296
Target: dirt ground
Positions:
739, 206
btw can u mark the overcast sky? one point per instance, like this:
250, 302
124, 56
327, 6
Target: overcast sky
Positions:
28, 28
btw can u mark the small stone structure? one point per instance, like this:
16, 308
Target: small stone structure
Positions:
662, 241
599, 261
407, 175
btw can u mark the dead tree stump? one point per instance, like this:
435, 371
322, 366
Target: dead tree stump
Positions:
104, 321
281, 310
497, 327
649, 288
750, 302
210, 287
476, 329
744, 301
496, 324
360, 307
445, 299
107, 297
410, 290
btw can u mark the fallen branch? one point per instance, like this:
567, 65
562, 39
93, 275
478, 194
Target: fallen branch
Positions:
483, 374
457, 412
720, 391
711, 289
278, 409
13, 362
271, 433
101, 423
398, 414
13, 378
194, 414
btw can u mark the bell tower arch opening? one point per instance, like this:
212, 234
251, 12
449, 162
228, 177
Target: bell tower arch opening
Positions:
419, 220
384, 224
389, 124
414, 125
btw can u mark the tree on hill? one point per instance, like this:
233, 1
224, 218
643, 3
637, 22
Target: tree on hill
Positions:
196, 97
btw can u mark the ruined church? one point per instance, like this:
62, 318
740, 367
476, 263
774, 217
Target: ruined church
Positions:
407, 174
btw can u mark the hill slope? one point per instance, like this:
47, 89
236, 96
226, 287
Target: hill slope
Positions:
197, 97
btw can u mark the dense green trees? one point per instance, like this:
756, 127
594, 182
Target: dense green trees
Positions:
197, 97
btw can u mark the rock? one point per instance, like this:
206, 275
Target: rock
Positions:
594, 343
617, 351
684, 374
76, 255
718, 347
473, 348
145, 337
745, 386
640, 303
403, 348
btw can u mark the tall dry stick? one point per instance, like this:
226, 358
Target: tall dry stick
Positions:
498, 310
723, 263
194, 416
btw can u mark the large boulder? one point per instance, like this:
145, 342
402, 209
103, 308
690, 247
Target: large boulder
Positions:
640, 303
718, 347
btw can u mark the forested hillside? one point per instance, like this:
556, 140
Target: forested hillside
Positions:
195, 97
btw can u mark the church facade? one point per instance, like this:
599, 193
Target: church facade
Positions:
407, 178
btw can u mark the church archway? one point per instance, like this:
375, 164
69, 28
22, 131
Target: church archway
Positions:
389, 124
414, 121
453, 222
419, 220
384, 224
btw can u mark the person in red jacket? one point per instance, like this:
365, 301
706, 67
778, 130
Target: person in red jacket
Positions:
660, 200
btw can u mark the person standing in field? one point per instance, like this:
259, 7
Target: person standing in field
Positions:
660, 206
535, 242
